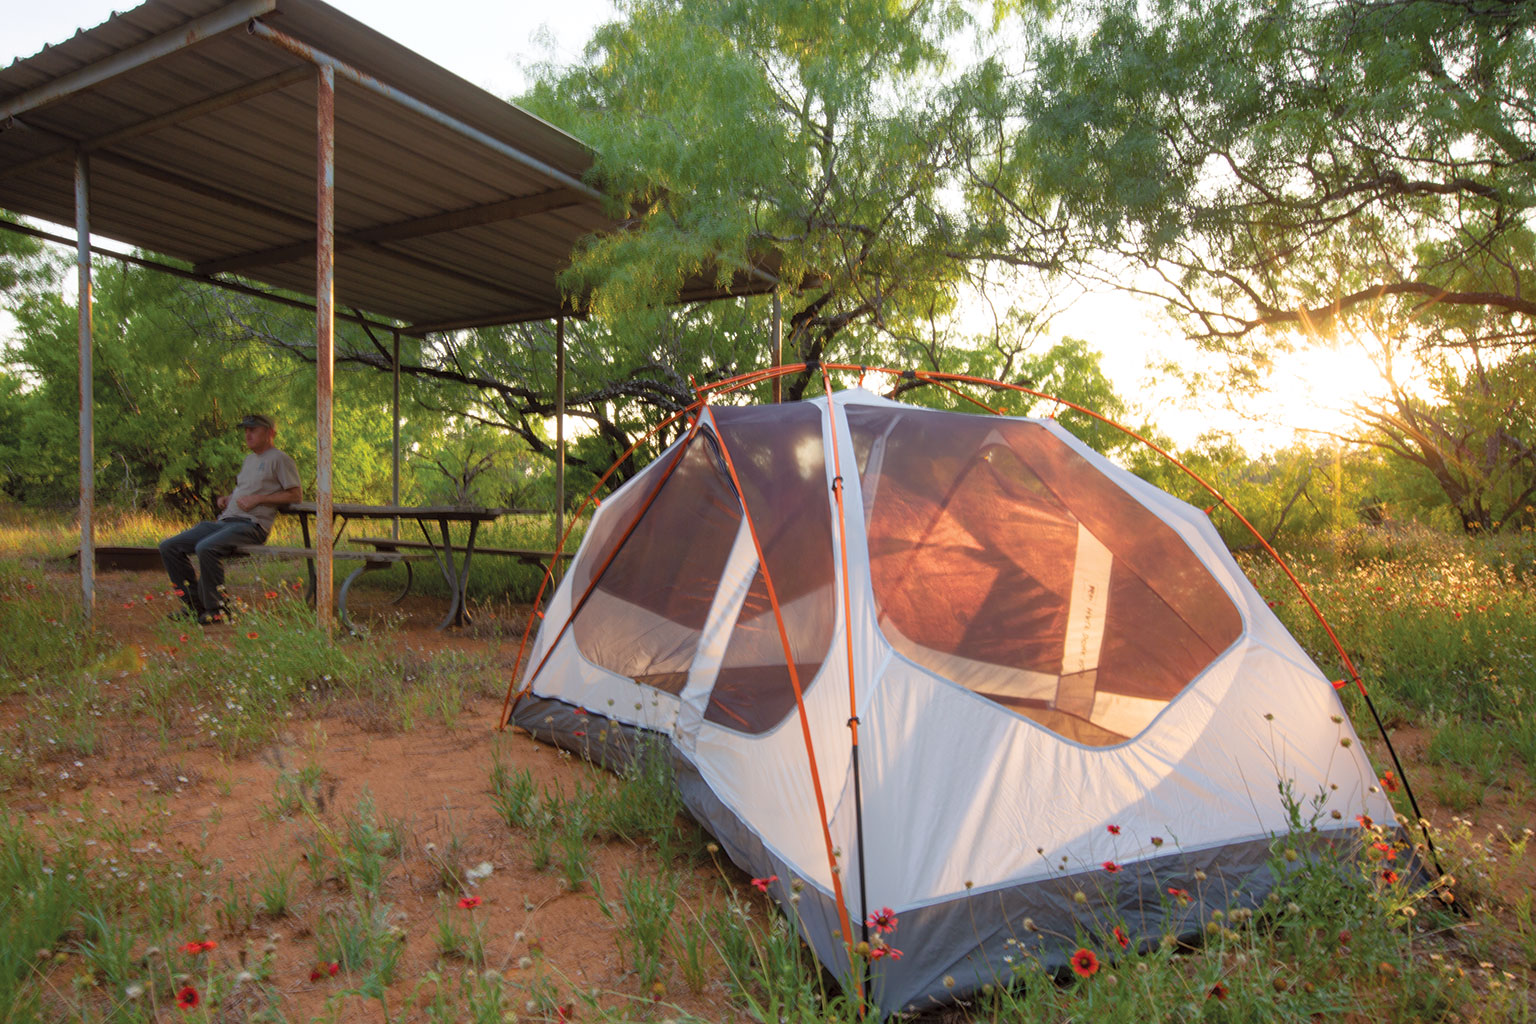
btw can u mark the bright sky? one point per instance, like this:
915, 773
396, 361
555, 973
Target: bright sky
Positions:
492, 43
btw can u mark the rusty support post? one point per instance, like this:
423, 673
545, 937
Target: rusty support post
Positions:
325, 327
778, 347
87, 390
394, 467
559, 440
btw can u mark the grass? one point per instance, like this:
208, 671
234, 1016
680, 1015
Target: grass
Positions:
1441, 631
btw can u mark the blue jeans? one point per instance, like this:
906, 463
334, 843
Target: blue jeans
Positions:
212, 542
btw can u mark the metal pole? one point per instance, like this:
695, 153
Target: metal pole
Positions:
87, 390
325, 326
559, 439
778, 347
394, 471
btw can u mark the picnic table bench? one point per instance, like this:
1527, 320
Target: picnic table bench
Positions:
371, 561
528, 556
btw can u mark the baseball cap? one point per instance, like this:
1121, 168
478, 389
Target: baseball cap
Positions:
257, 420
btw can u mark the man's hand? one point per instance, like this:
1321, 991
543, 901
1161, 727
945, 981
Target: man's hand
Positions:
250, 501
223, 502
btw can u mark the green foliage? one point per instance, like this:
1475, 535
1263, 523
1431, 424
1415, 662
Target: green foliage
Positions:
1296, 493
646, 904
360, 937
274, 888
1294, 173
772, 973
1348, 159
512, 792
176, 366
1470, 437
460, 937
479, 998
840, 144
40, 629
89, 883
1437, 633
647, 806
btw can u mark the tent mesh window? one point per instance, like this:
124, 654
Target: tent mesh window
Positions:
780, 459
645, 616
1004, 561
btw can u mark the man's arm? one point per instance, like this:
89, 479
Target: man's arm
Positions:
283, 497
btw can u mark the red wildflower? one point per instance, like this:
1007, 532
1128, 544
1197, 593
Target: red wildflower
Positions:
1113, 830
1120, 937
1182, 895
323, 969
578, 732
1364, 820
187, 998
1157, 840
332, 969
182, 638
1344, 937
1112, 867
127, 604
1389, 876
470, 902
883, 920
761, 884
1218, 991
579, 711
1085, 963
199, 946
882, 951
31, 586
1387, 850
271, 594
1389, 782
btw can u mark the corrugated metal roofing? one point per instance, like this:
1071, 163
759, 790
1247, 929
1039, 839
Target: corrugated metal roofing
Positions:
432, 227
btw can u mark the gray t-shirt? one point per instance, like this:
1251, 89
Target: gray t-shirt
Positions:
270, 471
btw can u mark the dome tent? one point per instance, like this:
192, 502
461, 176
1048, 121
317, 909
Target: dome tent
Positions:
957, 666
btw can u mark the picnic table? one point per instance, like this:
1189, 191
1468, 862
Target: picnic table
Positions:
435, 522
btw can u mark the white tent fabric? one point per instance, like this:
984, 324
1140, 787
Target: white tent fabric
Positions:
992, 765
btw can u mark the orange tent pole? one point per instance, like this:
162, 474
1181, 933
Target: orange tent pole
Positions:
853, 702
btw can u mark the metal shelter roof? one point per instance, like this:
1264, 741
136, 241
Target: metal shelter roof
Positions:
452, 207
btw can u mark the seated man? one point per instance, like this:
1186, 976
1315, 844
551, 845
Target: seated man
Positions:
268, 478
